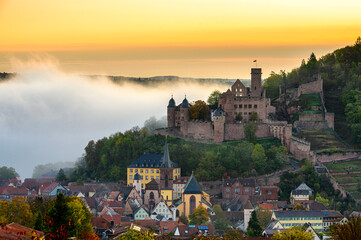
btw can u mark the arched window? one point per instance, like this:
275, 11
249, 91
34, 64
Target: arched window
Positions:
151, 196
192, 204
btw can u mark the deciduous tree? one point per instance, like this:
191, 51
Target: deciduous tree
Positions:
347, 231
250, 130
199, 110
220, 220
199, 216
8, 172
213, 99
293, 233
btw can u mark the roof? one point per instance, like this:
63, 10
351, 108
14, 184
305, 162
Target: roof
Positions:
17, 231
303, 186
171, 103
152, 185
219, 112
192, 186
185, 103
279, 214
151, 161
300, 192
166, 159
137, 176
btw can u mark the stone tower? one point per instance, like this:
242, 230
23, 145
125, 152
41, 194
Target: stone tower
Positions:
256, 81
219, 120
184, 116
137, 183
171, 113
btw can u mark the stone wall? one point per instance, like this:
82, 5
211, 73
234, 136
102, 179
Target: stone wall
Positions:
233, 131
311, 88
324, 158
330, 118
310, 124
310, 117
199, 130
300, 148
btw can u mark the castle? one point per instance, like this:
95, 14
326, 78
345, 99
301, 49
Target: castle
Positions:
239, 100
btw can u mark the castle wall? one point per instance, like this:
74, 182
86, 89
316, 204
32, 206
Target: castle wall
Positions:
310, 117
330, 118
310, 124
234, 131
311, 88
199, 130
324, 158
300, 148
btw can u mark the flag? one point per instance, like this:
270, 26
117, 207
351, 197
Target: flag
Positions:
254, 60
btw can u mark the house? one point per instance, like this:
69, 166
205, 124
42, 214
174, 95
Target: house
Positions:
274, 226
331, 217
162, 211
152, 194
52, 189
182, 231
299, 195
234, 187
270, 193
290, 219
178, 186
307, 227
140, 213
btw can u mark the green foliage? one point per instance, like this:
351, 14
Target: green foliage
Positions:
39, 222
263, 216
250, 130
259, 158
183, 219
79, 216
61, 176
8, 173
322, 200
272, 84
220, 220
17, 211
254, 228
199, 110
347, 231
135, 235
299, 207
293, 233
199, 216
239, 117
253, 116
213, 99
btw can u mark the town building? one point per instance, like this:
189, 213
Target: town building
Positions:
290, 219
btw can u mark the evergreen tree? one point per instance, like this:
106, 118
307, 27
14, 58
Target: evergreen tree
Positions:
61, 175
39, 222
254, 228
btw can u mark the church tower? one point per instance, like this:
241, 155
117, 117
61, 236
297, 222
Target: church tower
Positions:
256, 81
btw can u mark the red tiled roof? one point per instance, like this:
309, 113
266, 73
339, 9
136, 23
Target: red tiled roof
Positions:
17, 231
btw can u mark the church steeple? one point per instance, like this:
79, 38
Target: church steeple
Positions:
166, 158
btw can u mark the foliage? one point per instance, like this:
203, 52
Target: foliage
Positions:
299, 207
61, 176
199, 110
8, 172
135, 235
273, 83
250, 130
17, 211
220, 220
263, 216
322, 200
347, 231
239, 117
199, 216
254, 228
80, 216
232, 234
213, 99
253, 116
293, 233
183, 219
259, 158
39, 222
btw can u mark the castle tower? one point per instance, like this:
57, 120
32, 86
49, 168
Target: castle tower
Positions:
137, 183
184, 116
171, 113
219, 120
256, 81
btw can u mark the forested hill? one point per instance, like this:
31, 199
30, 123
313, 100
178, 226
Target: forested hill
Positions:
341, 74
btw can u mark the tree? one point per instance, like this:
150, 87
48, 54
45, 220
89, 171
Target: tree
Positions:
199, 110
183, 219
322, 200
293, 233
39, 222
61, 176
250, 130
220, 220
135, 235
254, 228
199, 216
253, 116
80, 216
239, 117
8, 173
59, 223
259, 158
264, 217
213, 99
347, 231
17, 211
299, 207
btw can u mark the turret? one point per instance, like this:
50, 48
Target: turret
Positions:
137, 183
256, 81
171, 112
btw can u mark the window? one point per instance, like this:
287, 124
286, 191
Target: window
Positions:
131, 170
152, 171
228, 190
136, 170
227, 195
130, 177
255, 106
157, 177
157, 170
240, 105
237, 190
245, 105
249, 105
246, 189
235, 106
152, 177
237, 184
141, 170
146, 177
146, 171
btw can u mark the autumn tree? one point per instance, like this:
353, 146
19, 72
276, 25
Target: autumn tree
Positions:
220, 220
293, 233
80, 216
263, 216
254, 228
199, 216
250, 130
299, 207
213, 99
17, 211
135, 235
253, 116
199, 110
347, 231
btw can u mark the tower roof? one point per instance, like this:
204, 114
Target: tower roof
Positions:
185, 103
166, 159
171, 103
137, 176
219, 112
192, 186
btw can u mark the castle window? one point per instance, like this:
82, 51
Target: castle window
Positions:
255, 106
245, 113
131, 170
235, 105
250, 106
245, 105
249, 113
240, 105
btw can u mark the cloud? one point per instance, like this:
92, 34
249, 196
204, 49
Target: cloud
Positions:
48, 116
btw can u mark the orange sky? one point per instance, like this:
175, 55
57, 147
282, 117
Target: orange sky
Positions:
199, 38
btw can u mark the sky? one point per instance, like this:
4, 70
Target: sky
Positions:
189, 38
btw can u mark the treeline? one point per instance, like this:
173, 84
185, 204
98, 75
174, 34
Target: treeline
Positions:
323, 189
107, 159
58, 218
